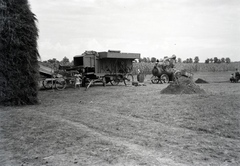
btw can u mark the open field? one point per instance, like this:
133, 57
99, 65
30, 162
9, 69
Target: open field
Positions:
118, 125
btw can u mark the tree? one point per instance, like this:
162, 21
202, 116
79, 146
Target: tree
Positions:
196, 59
52, 63
223, 60
179, 60
215, 60
65, 61
153, 59
207, 60
228, 60
18, 53
211, 60
190, 60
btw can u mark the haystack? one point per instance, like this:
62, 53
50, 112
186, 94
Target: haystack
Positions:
184, 86
18, 53
201, 81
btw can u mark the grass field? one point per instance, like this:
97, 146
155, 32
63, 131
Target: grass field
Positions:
118, 125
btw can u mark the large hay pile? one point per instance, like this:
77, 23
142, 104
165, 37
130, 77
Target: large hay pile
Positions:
185, 86
18, 53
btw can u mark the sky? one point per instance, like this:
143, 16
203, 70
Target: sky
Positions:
153, 28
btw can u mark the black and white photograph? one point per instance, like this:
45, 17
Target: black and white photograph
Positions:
119, 82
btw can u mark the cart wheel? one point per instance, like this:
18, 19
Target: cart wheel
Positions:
47, 84
128, 79
164, 78
115, 81
154, 79
61, 83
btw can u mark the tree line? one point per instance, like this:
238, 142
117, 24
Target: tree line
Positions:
54, 63
189, 60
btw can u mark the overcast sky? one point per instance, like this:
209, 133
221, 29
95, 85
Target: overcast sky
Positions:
153, 28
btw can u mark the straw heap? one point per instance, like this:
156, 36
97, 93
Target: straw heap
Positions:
18, 53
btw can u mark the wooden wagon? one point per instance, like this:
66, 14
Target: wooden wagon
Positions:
106, 67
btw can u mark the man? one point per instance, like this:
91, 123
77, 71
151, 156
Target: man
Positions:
78, 80
169, 63
237, 75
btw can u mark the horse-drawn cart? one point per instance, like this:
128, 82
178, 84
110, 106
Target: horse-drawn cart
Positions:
105, 67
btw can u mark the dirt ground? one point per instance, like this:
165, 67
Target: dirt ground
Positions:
126, 126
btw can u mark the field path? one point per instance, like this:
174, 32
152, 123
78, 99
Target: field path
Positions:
147, 155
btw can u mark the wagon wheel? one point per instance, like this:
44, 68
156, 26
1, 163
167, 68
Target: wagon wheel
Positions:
164, 78
47, 84
60, 83
128, 79
115, 81
154, 79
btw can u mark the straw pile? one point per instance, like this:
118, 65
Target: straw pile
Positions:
19, 54
185, 86
200, 81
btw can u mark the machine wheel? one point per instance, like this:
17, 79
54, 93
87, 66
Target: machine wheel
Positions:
115, 81
164, 78
60, 83
47, 84
128, 79
154, 79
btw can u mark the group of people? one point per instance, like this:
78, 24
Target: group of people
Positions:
167, 63
235, 76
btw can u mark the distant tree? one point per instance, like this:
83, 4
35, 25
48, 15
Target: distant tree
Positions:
207, 60
153, 59
179, 60
219, 61
196, 59
54, 60
190, 60
223, 60
53, 63
18, 53
65, 61
211, 60
215, 60
228, 60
